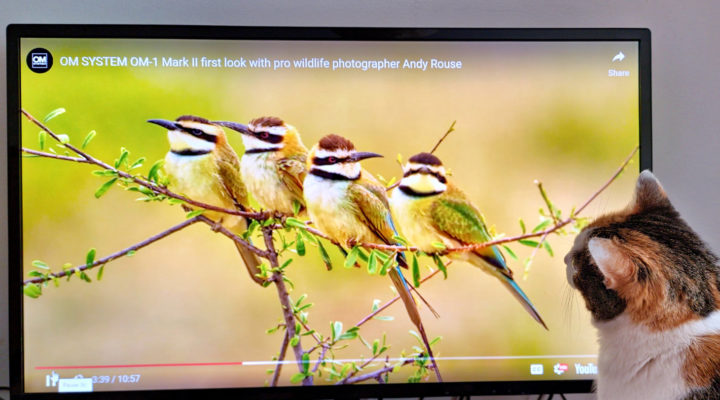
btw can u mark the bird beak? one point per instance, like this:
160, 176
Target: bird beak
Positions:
169, 125
361, 155
237, 127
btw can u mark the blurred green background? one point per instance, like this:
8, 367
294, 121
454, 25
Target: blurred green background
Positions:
524, 111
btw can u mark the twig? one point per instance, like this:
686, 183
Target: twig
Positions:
321, 359
611, 180
449, 131
374, 374
281, 357
215, 226
549, 205
118, 254
277, 279
56, 156
352, 374
150, 185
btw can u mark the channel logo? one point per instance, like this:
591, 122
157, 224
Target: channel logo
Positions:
39, 60
560, 368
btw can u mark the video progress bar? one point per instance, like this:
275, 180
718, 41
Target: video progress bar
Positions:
255, 363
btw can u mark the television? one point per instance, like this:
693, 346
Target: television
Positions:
131, 149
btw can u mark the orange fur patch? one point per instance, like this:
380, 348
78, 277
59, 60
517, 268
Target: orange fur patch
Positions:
702, 362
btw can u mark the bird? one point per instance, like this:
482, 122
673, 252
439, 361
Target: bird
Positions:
202, 166
431, 210
349, 205
273, 166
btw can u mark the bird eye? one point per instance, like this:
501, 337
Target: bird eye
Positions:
264, 135
332, 160
196, 132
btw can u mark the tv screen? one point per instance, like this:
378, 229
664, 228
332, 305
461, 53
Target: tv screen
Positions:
207, 208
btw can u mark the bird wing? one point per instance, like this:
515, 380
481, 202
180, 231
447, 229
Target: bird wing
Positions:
373, 209
292, 171
228, 168
457, 218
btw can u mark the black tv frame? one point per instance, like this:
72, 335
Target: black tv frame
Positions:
17, 31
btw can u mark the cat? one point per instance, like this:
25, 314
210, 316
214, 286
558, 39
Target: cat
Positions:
652, 287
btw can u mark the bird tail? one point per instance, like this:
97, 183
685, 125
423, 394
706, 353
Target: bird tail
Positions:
521, 297
252, 263
403, 289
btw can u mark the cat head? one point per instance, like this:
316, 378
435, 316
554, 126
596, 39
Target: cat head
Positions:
644, 261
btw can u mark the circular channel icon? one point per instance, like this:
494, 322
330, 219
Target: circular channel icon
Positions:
39, 60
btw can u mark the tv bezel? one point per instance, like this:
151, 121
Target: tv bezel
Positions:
15, 32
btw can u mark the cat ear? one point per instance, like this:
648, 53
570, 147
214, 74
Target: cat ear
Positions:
649, 193
614, 265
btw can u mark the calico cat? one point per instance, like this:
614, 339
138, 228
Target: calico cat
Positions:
652, 287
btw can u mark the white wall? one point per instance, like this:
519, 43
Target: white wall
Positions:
686, 56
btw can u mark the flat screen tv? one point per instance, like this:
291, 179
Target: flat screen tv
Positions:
204, 210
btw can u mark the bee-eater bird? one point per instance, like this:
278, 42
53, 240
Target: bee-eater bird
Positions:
274, 163
202, 165
430, 209
348, 204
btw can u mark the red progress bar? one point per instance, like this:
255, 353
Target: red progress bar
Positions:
142, 365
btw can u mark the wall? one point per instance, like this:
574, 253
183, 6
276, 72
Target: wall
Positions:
686, 87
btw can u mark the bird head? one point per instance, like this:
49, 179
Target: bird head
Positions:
191, 135
423, 175
264, 134
335, 157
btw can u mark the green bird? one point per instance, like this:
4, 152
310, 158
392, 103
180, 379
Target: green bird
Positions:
429, 209
350, 205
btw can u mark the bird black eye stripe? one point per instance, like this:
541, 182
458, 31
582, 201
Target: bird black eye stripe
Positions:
329, 160
427, 171
268, 137
199, 134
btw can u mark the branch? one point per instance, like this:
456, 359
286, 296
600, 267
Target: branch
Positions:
56, 156
373, 375
88, 159
288, 314
449, 131
281, 357
118, 254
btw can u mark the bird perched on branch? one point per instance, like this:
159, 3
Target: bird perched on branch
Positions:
349, 205
202, 165
273, 165
431, 210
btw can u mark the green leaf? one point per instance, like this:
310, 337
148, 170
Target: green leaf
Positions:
104, 188
325, 256
400, 239
32, 290
510, 252
436, 340
548, 248
387, 264
375, 345
295, 340
352, 257
42, 137
36, 274
194, 213
299, 244
348, 335
138, 163
384, 317
542, 225
104, 172
295, 223
85, 277
372, 263
297, 378
153, 174
417, 336
124, 153
305, 363
522, 226
130, 253
88, 138
63, 138
90, 257
529, 243
337, 328
40, 264
54, 113
296, 207
415, 271
440, 265
100, 272
439, 245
